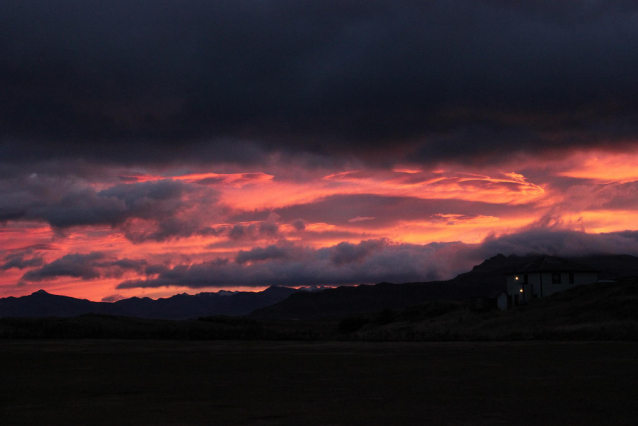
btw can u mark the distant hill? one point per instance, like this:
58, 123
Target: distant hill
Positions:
484, 280
600, 311
181, 306
612, 266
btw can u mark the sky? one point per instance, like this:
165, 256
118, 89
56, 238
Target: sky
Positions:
155, 147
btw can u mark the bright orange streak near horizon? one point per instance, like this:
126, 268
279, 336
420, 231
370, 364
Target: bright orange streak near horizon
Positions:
603, 166
249, 191
238, 179
509, 188
604, 221
451, 228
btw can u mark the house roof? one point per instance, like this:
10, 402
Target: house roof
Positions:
552, 264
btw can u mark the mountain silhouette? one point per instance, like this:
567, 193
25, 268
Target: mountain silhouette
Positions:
180, 306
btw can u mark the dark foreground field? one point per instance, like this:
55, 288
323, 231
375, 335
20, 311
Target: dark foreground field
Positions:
255, 383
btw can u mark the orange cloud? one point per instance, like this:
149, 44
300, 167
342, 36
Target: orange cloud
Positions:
602, 166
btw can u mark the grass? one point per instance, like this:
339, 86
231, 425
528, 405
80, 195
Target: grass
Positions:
320, 383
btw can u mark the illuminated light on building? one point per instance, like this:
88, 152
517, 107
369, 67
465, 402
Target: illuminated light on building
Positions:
546, 275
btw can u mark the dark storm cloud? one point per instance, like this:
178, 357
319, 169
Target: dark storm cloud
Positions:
86, 266
561, 243
41, 246
621, 197
366, 262
250, 232
25, 257
259, 254
20, 261
299, 225
263, 229
304, 237
159, 81
373, 261
344, 253
64, 203
164, 205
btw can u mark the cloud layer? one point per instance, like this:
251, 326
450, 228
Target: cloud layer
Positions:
373, 261
85, 266
132, 82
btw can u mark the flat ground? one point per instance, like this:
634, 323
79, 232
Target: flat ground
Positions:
266, 383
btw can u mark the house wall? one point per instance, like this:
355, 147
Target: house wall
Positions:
533, 288
580, 278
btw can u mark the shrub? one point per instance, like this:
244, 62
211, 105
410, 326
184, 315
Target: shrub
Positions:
384, 317
352, 324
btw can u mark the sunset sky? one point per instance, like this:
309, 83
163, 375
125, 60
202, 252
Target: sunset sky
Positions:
155, 147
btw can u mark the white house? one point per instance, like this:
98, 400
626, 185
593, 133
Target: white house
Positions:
544, 276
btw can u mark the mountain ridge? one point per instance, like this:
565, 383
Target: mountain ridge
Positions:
180, 306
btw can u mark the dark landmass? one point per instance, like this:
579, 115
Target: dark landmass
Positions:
181, 306
601, 311
309, 383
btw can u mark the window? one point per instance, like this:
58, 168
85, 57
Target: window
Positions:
525, 279
571, 278
556, 278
